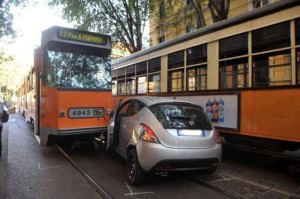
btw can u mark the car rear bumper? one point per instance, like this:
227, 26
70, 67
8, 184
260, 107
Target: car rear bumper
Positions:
160, 158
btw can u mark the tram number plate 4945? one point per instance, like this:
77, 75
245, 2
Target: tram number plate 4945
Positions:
85, 112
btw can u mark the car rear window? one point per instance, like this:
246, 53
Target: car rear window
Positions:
181, 116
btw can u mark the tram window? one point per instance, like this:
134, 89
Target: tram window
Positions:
154, 83
197, 54
176, 60
297, 30
233, 46
271, 37
72, 66
114, 74
114, 88
121, 87
197, 78
175, 80
130, 86
141, 68
121, 73
272, 69
130, 71
142, 84
234, 73
298, 66
154, 65
33, 80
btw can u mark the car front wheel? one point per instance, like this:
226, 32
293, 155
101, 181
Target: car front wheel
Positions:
136, 175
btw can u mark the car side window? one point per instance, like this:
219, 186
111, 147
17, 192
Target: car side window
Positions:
138, 106
123, 110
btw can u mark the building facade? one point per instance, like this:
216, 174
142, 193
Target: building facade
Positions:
170, 19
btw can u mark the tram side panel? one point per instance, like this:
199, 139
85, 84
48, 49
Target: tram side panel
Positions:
272, 114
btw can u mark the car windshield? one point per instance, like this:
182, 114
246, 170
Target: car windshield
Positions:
181, 116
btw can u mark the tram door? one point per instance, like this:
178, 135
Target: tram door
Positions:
38, 71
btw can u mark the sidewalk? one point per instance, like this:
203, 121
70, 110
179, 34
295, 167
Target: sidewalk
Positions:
28, 170
3, 162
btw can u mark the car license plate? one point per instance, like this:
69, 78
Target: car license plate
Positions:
188, 132
85, 112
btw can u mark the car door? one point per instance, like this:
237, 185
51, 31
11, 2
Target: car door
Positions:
115, 124
111, 127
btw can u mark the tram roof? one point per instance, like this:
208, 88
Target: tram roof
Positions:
75, 36
271, 8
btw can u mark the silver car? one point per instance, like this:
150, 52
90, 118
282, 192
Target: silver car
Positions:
160, 135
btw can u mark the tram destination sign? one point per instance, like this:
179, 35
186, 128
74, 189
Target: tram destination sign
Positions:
81, 36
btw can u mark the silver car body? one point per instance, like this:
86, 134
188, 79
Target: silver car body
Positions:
174, 151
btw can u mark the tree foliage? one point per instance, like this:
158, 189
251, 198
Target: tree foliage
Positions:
124, 20
6, 16
8, 74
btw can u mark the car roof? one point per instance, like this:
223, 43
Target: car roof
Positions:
152, 100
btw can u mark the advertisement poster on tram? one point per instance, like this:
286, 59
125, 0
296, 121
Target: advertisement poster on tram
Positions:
222, 110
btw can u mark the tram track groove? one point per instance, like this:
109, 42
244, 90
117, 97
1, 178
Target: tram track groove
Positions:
97, 187
212, 187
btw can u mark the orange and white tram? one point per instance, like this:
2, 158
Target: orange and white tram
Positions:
244, 71
68, 91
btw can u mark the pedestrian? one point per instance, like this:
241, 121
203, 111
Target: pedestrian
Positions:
4, 102
1, 124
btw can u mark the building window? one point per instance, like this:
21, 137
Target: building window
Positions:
176, 60
161, 39
297, 31
197, 78
175, 80
154, 83
233, 73
271, 37
272, 69
162, 10
258, 3
142, 84
233, 46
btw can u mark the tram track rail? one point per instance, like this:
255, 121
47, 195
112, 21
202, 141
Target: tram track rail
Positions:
212, 187
104, 194
100, 190
215, 184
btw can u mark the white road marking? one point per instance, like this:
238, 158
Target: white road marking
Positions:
138, 193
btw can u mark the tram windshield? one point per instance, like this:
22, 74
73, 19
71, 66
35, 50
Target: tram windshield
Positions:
72, 66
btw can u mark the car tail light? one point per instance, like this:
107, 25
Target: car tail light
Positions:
148, 135
218, 137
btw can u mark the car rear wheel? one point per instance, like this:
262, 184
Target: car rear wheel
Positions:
136, 175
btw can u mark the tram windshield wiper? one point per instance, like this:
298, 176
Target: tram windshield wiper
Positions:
180, 117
